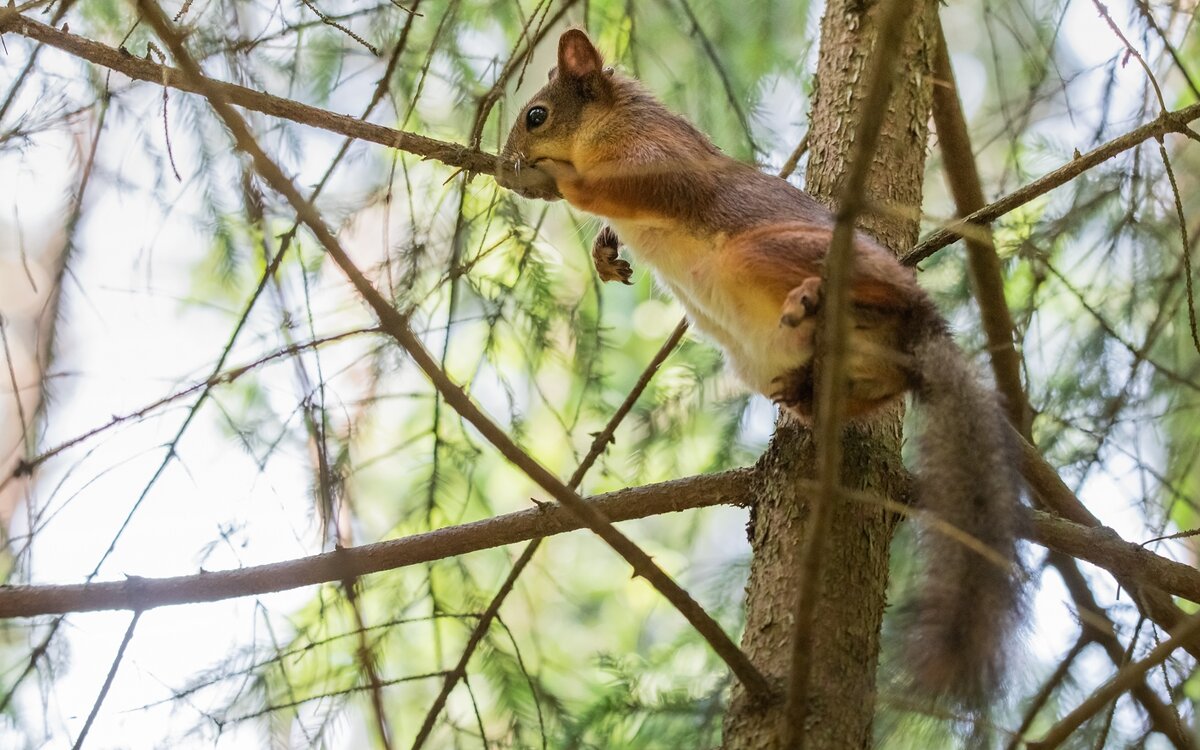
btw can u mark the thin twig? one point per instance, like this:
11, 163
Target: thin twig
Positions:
1102, 9
334, 24
710, 51
789, 165
1060, 673
1187, 255
1102, 737
323, 696
366, 660
108, 680
16, 387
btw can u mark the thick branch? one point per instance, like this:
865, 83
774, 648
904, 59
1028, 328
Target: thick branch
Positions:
147, 593
1125, 560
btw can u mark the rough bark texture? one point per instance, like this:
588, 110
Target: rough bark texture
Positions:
855, 570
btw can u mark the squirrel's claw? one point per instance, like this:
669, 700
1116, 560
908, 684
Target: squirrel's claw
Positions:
605, 257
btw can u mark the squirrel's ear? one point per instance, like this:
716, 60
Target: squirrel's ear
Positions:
577, 57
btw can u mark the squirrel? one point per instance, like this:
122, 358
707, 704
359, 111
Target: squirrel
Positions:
742, 251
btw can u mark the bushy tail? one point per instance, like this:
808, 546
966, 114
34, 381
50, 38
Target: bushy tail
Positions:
970, 596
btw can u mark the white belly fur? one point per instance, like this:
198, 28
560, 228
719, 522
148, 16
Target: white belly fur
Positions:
757, 348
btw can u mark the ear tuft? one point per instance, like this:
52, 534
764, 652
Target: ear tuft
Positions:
577, 56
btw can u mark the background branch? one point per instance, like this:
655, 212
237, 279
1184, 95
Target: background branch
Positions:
141, 69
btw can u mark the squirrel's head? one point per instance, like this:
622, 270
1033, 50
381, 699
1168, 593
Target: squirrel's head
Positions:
559, 118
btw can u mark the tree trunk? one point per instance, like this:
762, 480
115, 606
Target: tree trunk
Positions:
854, 573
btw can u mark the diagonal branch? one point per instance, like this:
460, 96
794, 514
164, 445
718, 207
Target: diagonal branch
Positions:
140, 69
983, 265
108, 679
396, 325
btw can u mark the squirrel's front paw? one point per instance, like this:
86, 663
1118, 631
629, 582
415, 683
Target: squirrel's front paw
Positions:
604, 255
519, 176
801, 302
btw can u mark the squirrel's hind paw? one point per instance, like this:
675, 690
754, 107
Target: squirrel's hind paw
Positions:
801, 302
793, 390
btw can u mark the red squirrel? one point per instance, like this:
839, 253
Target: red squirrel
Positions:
742, 251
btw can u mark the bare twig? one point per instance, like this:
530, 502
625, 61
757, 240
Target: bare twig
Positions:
16, 387
789, 165
330, 694
1102, 9
1060, 673
710, 51
108, 680
1186, 246
334, 24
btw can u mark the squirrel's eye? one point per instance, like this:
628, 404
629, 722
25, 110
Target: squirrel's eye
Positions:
536, 116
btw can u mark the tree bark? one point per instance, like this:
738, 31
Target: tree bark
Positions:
857, 549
